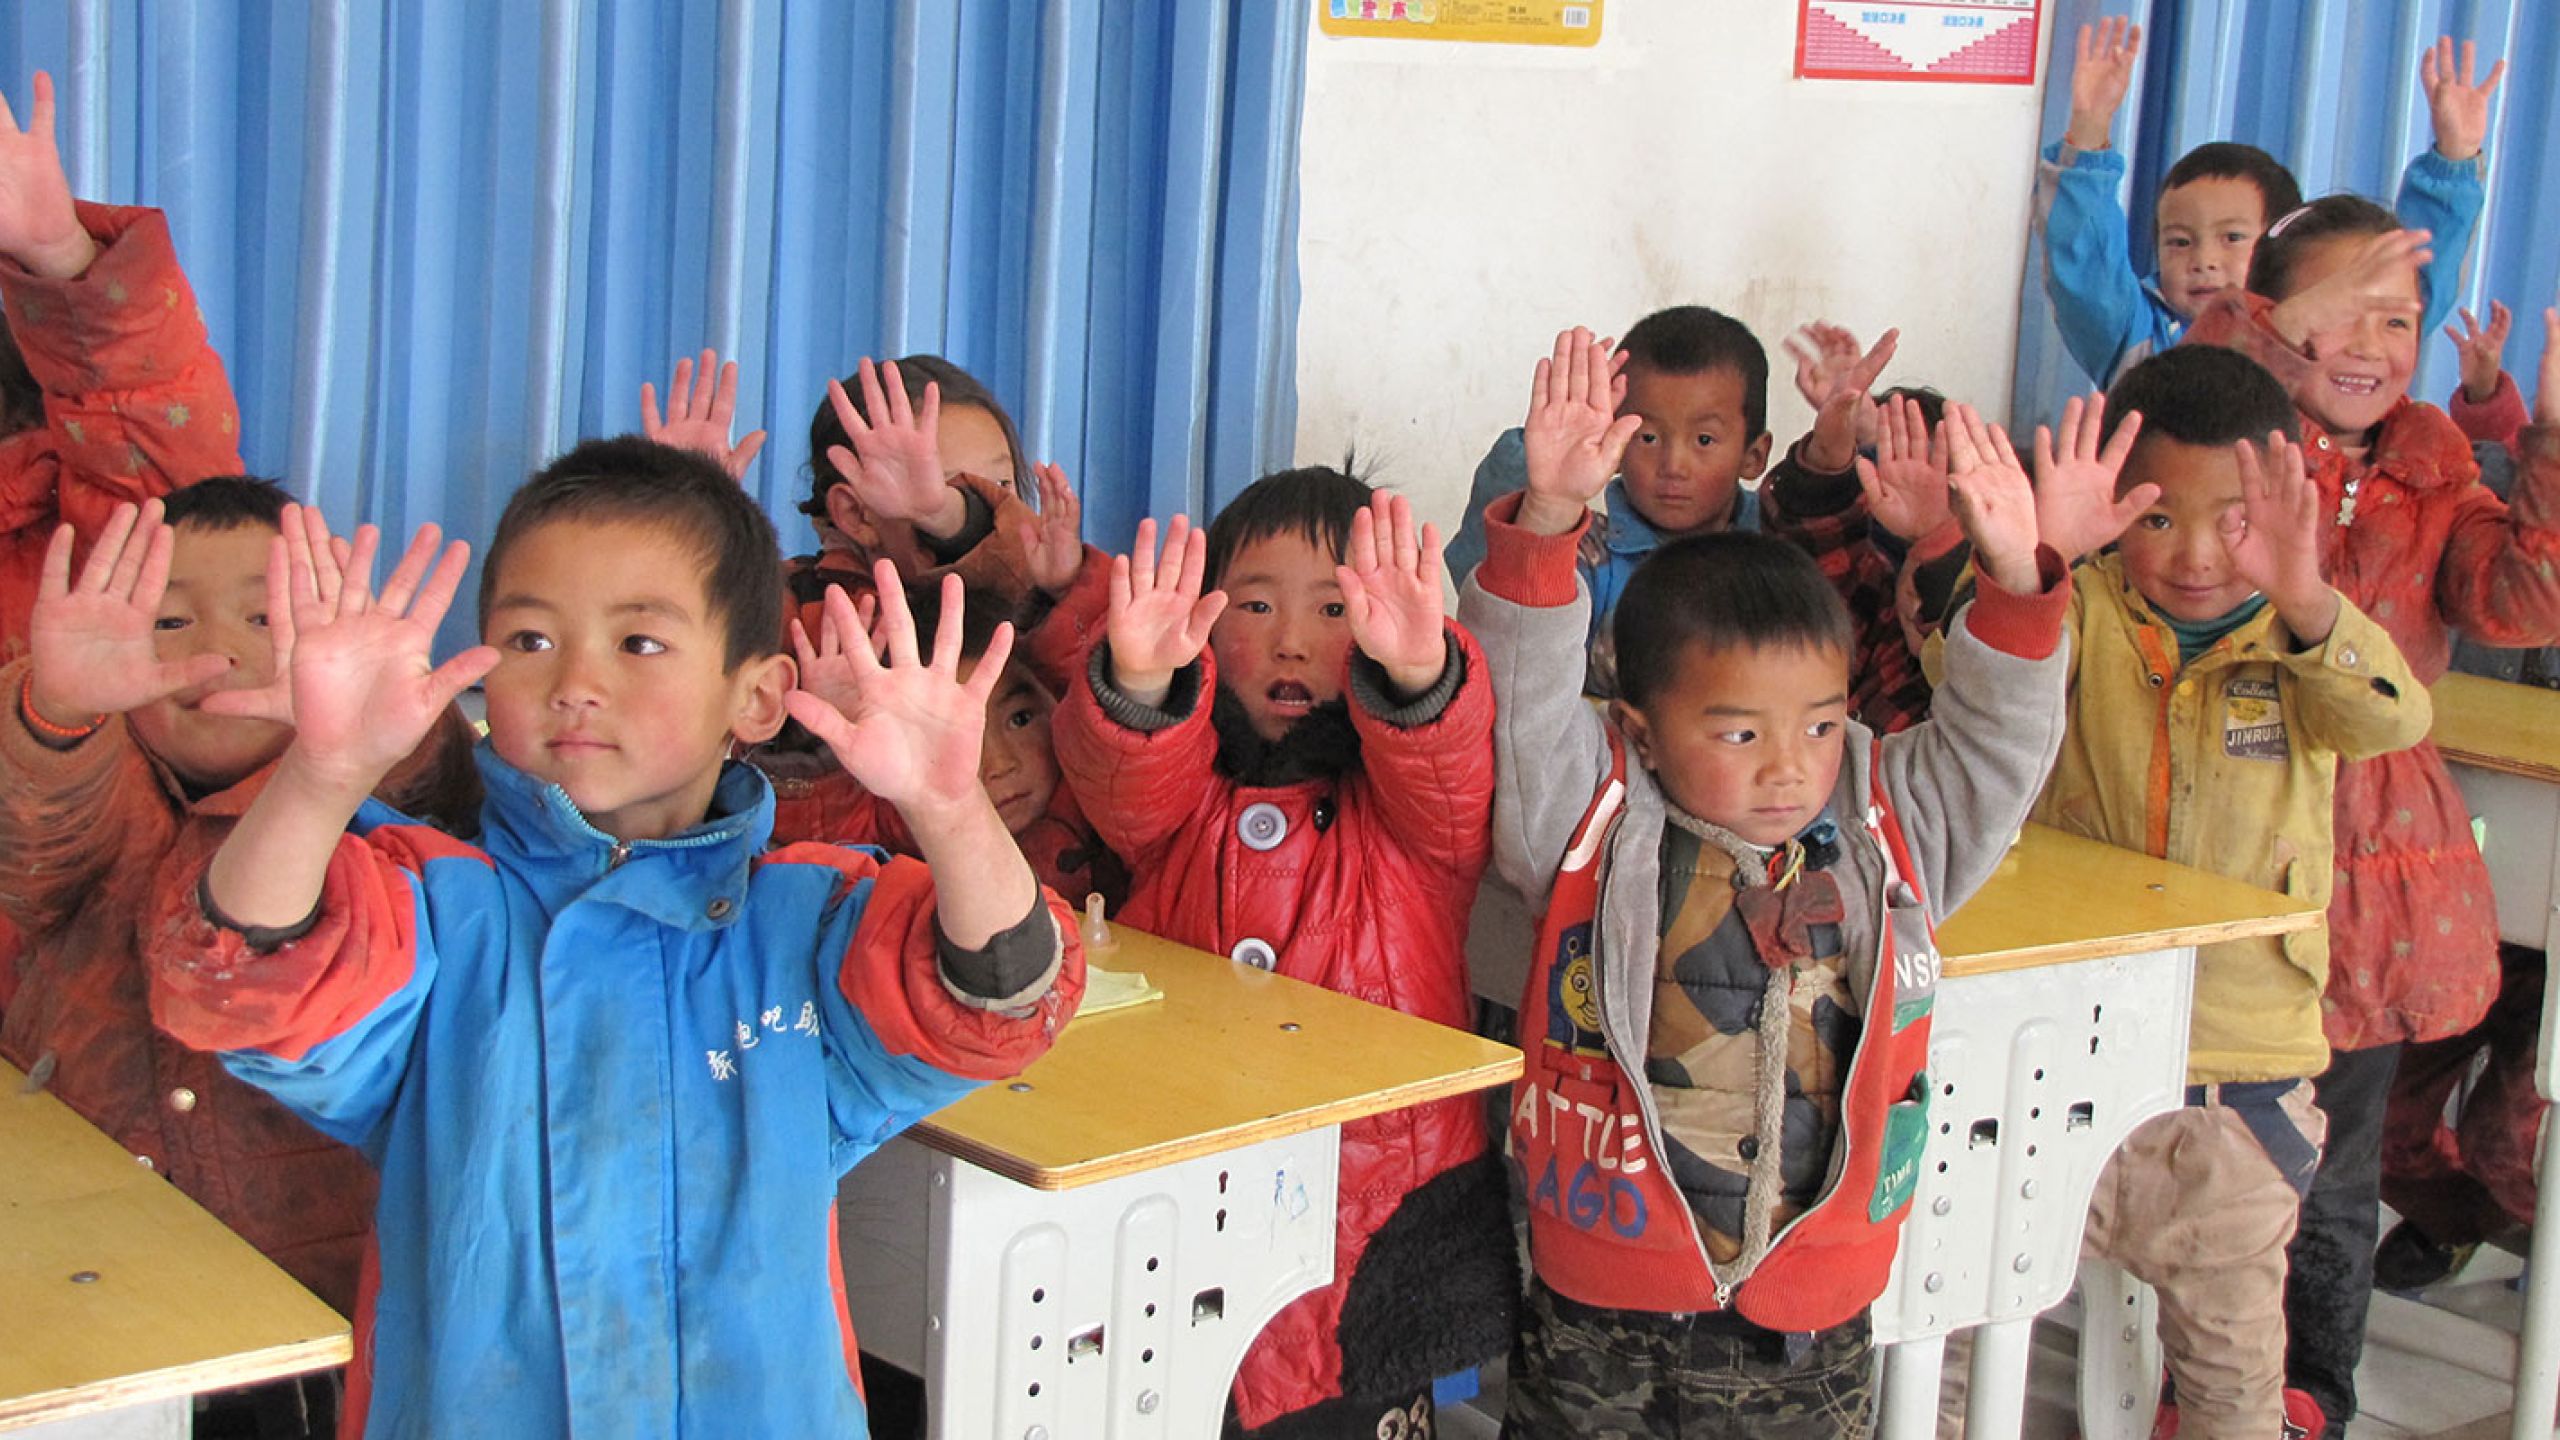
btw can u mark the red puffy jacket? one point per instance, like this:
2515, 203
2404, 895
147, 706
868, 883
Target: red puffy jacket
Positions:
1360, 881
2413, 935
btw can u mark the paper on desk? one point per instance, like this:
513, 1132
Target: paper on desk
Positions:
1114, 990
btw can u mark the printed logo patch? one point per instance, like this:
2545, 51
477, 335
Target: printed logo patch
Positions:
2253, 721
1573, 996
1906, 1136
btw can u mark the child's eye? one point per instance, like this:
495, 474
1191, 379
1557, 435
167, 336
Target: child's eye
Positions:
1738, 737
643, 645
171, 622
1333, 610
1822, 729
1647, 437
528, 642
2174, 242
259, 619
2236, 237
2153, 522
1022, 719
1706, 440
1254, 607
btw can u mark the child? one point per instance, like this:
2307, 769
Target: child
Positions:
1693, 387
1015, 765
1311, 796
2214, 598
1723, 864
2486, 404
2412, 539
612, 1061
146, 716
110, 392
2214, 204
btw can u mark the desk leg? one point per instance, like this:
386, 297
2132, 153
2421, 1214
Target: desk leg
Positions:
157, 1420
1113, 1311
1996, 1400
2119, 1354
1911, 1372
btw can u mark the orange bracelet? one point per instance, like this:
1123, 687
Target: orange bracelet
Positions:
46, 728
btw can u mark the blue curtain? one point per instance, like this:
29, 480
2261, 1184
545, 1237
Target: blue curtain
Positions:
2329, 87
437, 240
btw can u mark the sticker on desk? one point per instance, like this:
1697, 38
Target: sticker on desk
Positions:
1986, 42
1109, 990
1484, 22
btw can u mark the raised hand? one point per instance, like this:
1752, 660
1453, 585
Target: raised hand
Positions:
2101, 73
2546, 392
1158, 619
38, 227
895, 463
2077, 509
1906, 484
90, 641
1992, 500
1053, 542
2459, 108
366, 688
1391, 593
1574, 436
907, 729
1837, 379
699, 412
2274, 543
2482, 349
2374, 280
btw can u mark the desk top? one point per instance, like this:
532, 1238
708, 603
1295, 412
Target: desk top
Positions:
175, 1305
1231, 1055
2499, 725
2059, 897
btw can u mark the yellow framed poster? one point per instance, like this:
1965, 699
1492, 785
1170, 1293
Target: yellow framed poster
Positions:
1491, 22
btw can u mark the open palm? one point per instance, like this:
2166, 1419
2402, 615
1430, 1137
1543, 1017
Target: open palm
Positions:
90, 640
907, 729
38, 227
895, 463
1391, 592
1573, 438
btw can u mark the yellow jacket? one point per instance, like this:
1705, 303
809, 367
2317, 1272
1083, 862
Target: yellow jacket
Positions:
2228, 765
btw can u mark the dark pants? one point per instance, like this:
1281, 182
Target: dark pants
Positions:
1584, 1373
2329, 1268
2474, 1181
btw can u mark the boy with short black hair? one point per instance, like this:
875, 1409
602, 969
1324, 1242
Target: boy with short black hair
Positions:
2217, 681
613, 1060
2215, 203
1726, 1023
1691, 385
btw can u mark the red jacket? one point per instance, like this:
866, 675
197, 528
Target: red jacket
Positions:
88, 831
2413, 936
135, 400
1360, 881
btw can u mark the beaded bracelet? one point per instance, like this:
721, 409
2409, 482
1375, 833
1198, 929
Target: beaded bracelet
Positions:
46, 729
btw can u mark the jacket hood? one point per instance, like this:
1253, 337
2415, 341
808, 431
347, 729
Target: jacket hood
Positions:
533, 828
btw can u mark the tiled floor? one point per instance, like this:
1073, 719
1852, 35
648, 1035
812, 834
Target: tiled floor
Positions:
2440, 1369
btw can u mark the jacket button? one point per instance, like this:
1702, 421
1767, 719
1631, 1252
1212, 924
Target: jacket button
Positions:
2347, 656
182, 1099
719, 909
1749, 1149
1256, 953
2157, 680
1262, 826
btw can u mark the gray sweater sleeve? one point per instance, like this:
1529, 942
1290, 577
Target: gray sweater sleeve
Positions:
1550, 747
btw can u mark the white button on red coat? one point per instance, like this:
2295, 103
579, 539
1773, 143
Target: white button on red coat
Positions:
1262, 826
1255, 952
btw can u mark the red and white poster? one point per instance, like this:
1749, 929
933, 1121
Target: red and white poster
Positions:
1978, 42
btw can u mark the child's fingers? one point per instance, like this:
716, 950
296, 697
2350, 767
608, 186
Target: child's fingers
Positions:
355, 586
847, 465
1116, 601
55, 580
2119, 447
650, 421
946, 631
1362, 551
1431, 554
928, 420
744, 453
894, 627
991, 662
99, 571
403, 583
1408, 550
1870, 484
435, 597
846, 416
706, 385
884, 394
1195, 564
801, 650
2047, 463
122, 559
1139, 565
820, 719
1204, 614
152, 580
1355, 600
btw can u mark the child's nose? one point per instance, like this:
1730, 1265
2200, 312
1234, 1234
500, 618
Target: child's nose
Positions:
996, 759
574, 684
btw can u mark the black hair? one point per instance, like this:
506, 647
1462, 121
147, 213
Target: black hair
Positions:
2281, 249
2201, 395
1728, 590
2279, 194
1313, 502
227, 502
981, 611
958, 387
1692, 340
629, 480
1931, 400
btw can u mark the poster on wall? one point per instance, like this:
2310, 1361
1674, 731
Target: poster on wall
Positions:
1495, 22
1978, 42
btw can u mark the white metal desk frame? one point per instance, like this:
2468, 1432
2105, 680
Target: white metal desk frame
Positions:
2521, 817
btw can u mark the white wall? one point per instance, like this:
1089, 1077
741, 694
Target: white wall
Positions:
1461, 203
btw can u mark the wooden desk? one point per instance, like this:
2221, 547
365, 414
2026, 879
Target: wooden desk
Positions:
119, 1293
2061, 1025
2503, 741
1105, 1235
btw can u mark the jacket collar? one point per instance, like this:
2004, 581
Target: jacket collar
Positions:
695, 879
2417, 445
1626, 533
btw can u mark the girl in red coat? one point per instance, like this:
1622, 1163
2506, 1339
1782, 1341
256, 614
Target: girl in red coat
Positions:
1314, 795
2417, 542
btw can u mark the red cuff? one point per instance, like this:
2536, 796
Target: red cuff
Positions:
2493, 421
1526, 568
2027, 626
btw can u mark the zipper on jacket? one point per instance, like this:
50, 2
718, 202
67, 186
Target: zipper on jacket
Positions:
621, 851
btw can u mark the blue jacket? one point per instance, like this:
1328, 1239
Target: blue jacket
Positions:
611, 1089
2112, 319
1616, 544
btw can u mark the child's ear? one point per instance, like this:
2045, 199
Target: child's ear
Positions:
1631, 723
761, 685
1756, 459
844, 512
